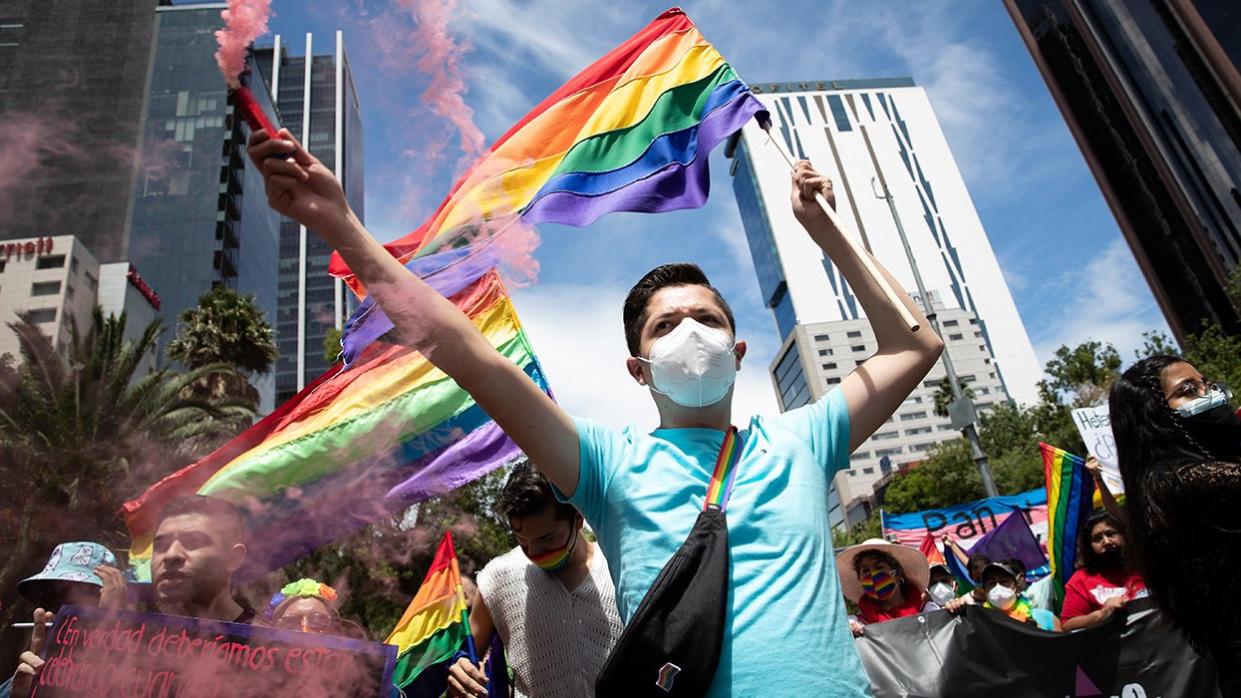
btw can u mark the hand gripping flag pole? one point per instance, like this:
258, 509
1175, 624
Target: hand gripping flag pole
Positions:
868, 263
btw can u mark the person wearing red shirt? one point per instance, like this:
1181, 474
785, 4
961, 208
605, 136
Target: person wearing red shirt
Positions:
885, 580
1105, 581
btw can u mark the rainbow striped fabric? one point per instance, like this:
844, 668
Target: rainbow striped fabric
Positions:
354, 445
1070, 490
725, 473
630, 132
433, 628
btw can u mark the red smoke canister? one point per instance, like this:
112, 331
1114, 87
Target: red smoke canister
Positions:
252, 112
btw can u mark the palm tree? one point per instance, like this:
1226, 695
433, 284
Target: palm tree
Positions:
225, 328
79, 433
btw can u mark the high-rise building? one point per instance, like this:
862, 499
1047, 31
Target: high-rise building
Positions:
72, 81
201, 218
1150, 90
865, 134
142, 159
319, 105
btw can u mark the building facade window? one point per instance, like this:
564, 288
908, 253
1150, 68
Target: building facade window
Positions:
912, 416
41, 315
45, 288
885, 435
825, 352
52, 261
918, 430
858, 347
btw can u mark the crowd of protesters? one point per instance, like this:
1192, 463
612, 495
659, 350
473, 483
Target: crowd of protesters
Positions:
755, 587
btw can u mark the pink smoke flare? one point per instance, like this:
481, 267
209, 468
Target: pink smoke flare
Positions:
244, 21
439, 56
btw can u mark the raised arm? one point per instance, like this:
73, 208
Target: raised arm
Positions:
302, 188
877, 386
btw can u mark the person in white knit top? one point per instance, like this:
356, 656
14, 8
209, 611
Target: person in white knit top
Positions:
551, 599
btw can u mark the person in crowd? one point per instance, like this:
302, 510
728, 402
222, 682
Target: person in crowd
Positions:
310, 606
942, 585
885, 580
80, 573
199, 543
1003, 583
1110, 505
1178, 444
642, 492
553, 579
307, 606
1104, 580
974, 565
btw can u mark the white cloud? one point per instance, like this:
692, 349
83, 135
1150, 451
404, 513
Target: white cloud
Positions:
576, 332
1107, 301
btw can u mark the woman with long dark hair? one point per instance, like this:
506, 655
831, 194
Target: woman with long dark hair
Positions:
1179, 446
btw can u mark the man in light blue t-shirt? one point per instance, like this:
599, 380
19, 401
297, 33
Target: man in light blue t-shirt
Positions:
786, 631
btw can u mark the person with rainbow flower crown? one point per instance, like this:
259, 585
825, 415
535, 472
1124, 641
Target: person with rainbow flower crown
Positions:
550, 599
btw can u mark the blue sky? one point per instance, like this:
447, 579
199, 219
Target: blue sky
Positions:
1070, 272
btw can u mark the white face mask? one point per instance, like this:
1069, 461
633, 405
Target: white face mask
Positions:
941, 593
694, 365
1002, 597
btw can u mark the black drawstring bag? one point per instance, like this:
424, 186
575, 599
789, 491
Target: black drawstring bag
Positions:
671, 646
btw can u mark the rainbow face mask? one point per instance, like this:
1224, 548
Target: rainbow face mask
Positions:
555, 560
879, 585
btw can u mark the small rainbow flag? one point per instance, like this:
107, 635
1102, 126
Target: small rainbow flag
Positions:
630, 132
434, 627
353, 446
1070, 490
929, 548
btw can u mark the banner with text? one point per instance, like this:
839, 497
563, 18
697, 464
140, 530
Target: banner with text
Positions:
1095, 426
96, 652
966, 523
983, 653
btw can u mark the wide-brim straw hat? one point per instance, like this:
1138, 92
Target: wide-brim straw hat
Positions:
913, 564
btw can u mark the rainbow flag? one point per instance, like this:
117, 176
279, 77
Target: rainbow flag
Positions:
434, 628
630, 132
354, 445
930, 548
1070, 490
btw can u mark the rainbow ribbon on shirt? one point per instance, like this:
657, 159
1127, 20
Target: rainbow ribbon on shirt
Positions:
725, 473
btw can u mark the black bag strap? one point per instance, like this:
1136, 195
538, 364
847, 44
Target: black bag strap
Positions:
725, 473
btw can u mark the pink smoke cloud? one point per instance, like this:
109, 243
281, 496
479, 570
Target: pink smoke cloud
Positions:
244, 21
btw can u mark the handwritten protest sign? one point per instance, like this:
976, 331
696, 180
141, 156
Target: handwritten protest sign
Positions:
93, 652
1095, 426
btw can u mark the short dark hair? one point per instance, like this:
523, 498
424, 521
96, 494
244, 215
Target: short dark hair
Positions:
878, 556
975, 564
528, 493
227, 515
1017, 566
661, 277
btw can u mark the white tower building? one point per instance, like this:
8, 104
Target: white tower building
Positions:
861, 133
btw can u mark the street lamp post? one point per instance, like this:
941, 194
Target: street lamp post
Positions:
961, 411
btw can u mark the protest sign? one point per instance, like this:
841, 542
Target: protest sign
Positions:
1095, 426
984, 653
966, 523
97, 652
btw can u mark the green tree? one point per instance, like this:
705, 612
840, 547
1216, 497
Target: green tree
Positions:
225, 328
943, 395
80, 433
1216, 355
1156, 342
1080, 376
872, 527
380, 568
332, 348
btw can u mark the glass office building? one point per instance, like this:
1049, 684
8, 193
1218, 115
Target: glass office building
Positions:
201, 219
318, 103
1151, 92
74, 73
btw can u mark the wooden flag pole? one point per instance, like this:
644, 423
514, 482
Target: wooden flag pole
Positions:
894, 297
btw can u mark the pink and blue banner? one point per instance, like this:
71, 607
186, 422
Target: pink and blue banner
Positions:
968, 523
